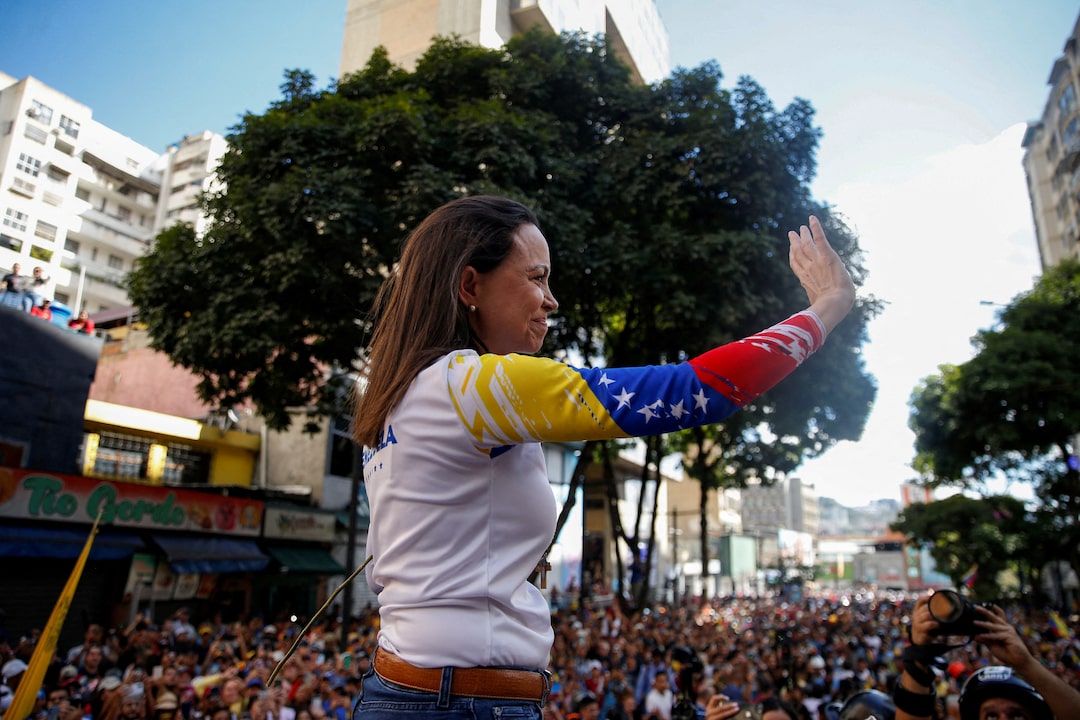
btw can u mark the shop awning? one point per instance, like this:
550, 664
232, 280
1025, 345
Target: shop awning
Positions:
305, 560
211, 555
66, 543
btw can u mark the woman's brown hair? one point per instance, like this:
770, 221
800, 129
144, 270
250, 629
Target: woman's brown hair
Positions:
418, 317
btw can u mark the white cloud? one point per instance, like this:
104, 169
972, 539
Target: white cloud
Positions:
955, 231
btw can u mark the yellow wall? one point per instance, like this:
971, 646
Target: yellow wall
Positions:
233, 454
232, 466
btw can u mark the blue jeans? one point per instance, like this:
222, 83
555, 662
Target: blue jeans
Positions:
383, 700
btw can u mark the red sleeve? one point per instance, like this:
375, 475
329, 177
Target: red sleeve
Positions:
744, 369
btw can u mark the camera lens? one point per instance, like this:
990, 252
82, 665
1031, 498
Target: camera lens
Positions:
946, 606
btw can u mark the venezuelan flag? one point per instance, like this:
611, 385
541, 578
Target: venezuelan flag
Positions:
971, 576
1059, 626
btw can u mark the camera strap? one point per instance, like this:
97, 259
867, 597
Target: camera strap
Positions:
931, 656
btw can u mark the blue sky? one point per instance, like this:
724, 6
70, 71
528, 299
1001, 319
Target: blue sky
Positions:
922, 104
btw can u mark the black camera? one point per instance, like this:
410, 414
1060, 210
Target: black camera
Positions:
955, 614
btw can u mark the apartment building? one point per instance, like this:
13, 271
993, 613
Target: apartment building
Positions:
1052, 160
789, 503
84, 202
189, 169
78, 199
406, 27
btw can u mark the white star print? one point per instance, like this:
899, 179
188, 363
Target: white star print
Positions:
677, 410
647, 411
700, 401
605, 380
624, 398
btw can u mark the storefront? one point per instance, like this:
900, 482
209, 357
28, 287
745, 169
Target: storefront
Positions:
157, 548
297, 541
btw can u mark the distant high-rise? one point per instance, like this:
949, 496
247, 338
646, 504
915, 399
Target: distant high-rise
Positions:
406, 27
1052, 160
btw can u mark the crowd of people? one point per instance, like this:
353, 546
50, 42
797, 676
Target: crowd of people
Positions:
765, 658
29, 294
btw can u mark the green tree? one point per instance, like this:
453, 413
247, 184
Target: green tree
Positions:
666, 208
1012, 411
963, 533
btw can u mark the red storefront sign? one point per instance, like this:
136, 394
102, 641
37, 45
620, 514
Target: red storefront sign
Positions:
29, 495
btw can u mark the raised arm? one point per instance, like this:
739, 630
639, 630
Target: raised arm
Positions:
1004, 643
823, 275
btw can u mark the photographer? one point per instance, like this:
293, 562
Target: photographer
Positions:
1021, 687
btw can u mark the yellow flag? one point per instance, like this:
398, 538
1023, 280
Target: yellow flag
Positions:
26, 694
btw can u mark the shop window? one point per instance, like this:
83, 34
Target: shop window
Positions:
121, 456
186, 466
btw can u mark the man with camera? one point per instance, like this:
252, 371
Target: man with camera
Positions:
1021, 687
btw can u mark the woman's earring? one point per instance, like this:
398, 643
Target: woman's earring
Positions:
472, 308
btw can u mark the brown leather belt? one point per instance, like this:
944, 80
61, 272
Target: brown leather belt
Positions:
483, 682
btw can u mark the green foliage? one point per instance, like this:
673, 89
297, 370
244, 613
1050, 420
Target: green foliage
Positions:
1012, 411
666, 209
963, 532
1015, 406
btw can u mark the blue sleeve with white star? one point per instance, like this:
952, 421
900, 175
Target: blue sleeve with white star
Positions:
507, 399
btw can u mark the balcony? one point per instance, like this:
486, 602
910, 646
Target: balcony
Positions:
1070, 156
527, 13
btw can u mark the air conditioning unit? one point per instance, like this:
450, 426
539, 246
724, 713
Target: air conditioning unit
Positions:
31, 112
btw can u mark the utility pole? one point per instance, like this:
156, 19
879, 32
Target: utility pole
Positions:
675, 557
356, 477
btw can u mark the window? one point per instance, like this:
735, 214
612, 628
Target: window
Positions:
10, 242
121, 456
72, 246
23, 187
40, 253
186, 466
15, 219
61, 297
57, 175
1067, 99
28, 165
341, 447
36, 134
1070, 131
45, 230
116, 262
82, 194
69, 126
41, 113
123, 213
